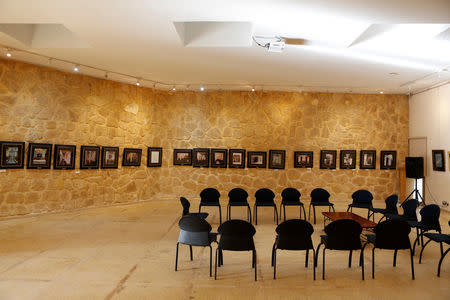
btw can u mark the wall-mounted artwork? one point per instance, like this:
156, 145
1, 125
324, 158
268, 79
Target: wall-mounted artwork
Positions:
89, 157
200, 157
388, 160
39, 156
154, 156
347, 159
12, 155
219, 158
64, 157
131, 157
236, 158
110, 157
182, 157
256, 159
367, 159
438, 160
277, 159
449, 160
328, 159
303, 159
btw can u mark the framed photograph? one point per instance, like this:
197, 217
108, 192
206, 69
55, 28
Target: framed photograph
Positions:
236, 158
388, 160
328, 159
12, 155
367, 159
39, 156
89, 157
200, 157
154, 157
219, 158
64, 157
131, 157
438, 160
277, 159
110, 157
347, 160
256, 159
182, 157
303, 159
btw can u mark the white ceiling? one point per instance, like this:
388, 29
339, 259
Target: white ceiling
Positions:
353, 45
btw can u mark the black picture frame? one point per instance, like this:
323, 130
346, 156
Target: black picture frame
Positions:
388, 160
64, 157
438, 157
328, 159
256, 159
236, 158
12, 155
303, 159
347, 159
200, 157
110, 158
277, 159
154, 156
131, 157
219, 158
367, 159
39, 156
182, 157
89, 157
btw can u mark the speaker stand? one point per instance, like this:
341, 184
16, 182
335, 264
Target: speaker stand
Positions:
416, 193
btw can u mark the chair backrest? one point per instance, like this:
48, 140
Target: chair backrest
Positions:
391, 203
238, 195
264, 195
409, 208
186, 205
430, 216
392, 234
320, 195
194, 231
290, 195
294, 234
236, 235
209, 195
362, 197
343, 235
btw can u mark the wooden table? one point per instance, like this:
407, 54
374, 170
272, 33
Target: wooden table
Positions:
365, 223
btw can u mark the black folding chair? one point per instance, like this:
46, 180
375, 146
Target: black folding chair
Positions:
264, 197
391, 208
361, 199
429, 221
319, 197
186, 205
291, 197
441, 239
210, 197
238, 197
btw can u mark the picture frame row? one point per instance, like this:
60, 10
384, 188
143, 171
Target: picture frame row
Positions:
12, 156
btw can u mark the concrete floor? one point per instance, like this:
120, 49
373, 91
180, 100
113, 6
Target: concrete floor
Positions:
128, 252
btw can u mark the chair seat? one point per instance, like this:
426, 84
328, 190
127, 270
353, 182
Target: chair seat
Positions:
264, 204
438, 237
238, 204
360, 205
291, 203
210, 203
400, 217
201, 215
371, 238
380, 210
322, 204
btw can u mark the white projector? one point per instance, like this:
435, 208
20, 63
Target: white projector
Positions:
276, 46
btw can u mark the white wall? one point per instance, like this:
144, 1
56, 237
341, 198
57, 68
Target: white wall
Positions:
429, 116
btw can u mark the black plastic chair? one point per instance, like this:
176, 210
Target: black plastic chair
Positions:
361, 199
238, 197
186, 205
342, 235
264, 197
393, 235
429, 221
235, 235
409, 211
210, 197
293, 234
441, 239
195, 231
391, 207
319, 197
291, 197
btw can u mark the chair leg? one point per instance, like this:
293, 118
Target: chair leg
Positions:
323, 263
416, 241
228, 212
273, 253
255, 214
314, 211
199, 207
440, 262
314, 264
215, 264
350, 259
307, 257
220, 258
333, 208
220, 214
176, 258
275, 263
304, 212
309, 212
373, 263
317, 254
256, 269
395, 258
276, 213
423, 248
412, 263
361, 259
190, 251
210, 261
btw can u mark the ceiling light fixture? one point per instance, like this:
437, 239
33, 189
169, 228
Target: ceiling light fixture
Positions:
138, 82
174, 89
8, 52
253, 89
381, 92
202, 88
106, 75
75, 68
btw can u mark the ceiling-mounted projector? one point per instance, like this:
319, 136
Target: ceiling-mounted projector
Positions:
276, 46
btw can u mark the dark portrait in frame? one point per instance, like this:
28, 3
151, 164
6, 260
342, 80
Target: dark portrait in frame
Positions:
219, 158
131, 157
64, 157
328, 159
236, 158
256, 159
347, 159
200, 157
303, 159
39, 156
277, 159
12, 155
388, 160
154, 156
110, 157
367, 159
89, 157
182, 157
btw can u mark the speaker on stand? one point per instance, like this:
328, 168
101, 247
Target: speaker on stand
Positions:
414, 169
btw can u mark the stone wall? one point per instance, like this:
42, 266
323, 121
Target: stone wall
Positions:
39, 104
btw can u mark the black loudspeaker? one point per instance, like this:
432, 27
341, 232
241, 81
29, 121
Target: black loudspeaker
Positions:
414, 167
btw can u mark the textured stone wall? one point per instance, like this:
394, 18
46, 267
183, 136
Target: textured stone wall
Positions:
38, 104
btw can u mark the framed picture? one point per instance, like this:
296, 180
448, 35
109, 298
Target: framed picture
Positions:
328, 159
388, 160
39, 156
277, 159
110, 157
303, 159
449, 160
438, 160
131, 157
256, 159
219, 158
64, 157
12, 155
200, 157
89, 157
154, 157
347, 160
182, 157
236, 158
367, 159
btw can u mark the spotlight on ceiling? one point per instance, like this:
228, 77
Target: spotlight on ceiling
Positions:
202, 88
75, 69
253, 89
174, 89
8, 53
